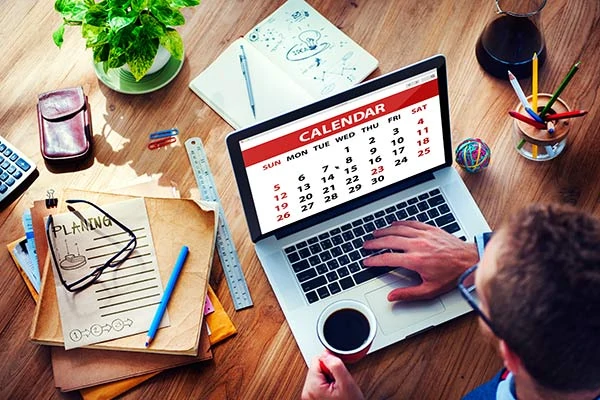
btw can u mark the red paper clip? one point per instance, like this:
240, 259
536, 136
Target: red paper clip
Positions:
155, 144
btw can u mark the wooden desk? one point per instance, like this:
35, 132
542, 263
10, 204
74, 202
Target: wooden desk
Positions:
262, 361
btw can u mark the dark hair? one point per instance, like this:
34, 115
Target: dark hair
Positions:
545, 298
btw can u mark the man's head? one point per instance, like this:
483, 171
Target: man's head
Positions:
539, 282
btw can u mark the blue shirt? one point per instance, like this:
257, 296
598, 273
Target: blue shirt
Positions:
500, 387
502, 384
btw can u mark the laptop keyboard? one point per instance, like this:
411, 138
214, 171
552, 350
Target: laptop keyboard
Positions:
15, 167
330, 262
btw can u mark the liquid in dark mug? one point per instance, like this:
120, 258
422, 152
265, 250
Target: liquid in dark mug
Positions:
347, 329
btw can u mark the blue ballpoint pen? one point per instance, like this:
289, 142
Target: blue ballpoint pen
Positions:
162, 307
245, 71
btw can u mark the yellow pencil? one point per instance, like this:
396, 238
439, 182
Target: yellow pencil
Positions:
534, 84
534, 151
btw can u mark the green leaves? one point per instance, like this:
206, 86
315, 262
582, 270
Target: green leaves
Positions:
125, 31
167, 15
57, 35
72, 11
183, 3
141, 57
173, 42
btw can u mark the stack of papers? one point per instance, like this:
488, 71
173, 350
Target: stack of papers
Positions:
107, 369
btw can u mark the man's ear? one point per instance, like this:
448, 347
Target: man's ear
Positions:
512, 362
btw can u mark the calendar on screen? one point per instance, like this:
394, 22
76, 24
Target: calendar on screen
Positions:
337, 155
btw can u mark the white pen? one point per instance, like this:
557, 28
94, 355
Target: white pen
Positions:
245, 71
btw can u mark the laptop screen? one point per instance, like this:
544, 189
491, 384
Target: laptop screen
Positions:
342, 149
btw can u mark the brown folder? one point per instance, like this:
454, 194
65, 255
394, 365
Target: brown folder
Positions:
81, 368
220, 326
174, 223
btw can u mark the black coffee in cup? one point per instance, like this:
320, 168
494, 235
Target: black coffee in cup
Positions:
346, 329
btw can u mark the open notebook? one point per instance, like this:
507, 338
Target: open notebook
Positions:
294, 57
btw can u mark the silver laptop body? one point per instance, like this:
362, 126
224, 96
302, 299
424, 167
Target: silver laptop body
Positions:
315, 182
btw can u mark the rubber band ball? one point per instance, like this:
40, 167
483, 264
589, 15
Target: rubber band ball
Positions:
473, 155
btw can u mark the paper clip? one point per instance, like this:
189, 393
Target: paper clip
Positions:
161, 142
164, 134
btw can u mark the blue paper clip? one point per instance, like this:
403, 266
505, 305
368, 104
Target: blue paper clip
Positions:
155, 144
164, 134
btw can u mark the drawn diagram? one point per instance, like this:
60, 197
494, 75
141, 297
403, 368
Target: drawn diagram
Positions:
302, 40
343, 70
309, 47
72, 261
314, 52
97, 330
270, 38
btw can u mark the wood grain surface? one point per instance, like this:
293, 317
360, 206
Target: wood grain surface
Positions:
262, 361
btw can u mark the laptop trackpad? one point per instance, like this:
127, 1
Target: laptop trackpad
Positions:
393, 316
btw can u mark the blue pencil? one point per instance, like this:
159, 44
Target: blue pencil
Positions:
162, 307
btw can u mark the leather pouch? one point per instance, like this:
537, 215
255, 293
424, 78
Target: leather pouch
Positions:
65, 125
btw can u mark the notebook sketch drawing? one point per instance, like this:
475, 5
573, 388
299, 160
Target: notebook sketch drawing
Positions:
292, 58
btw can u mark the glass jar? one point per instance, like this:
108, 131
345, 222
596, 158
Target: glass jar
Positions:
510, 39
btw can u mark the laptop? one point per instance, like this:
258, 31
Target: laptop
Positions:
315, 182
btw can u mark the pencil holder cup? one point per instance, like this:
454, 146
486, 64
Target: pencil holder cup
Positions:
542, 144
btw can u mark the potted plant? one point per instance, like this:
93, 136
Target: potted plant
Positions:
125, 32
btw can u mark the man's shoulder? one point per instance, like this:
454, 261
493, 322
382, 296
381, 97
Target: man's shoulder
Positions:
488, 390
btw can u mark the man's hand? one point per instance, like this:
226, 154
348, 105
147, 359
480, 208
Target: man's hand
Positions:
436, 255
328, 379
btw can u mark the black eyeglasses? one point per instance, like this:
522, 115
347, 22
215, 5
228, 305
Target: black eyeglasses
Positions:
466, 285
73, 262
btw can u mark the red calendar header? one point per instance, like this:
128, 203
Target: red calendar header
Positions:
342, 122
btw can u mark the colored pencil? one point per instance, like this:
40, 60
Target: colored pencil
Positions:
551, 128
527, 120
568, 114
517, 88
561, 87
534, 83
534, 115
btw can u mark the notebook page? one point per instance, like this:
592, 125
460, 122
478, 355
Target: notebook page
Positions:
313, 51
222, 86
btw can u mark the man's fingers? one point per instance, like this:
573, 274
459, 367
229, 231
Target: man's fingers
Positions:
422, 226
424, 291
398, 228
386, 242
395, 260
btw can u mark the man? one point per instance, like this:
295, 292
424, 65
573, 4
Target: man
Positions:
538, 285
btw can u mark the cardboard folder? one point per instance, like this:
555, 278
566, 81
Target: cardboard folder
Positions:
81, 368
174, 223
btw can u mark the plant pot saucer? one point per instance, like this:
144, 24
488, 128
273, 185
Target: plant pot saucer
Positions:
123, 82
